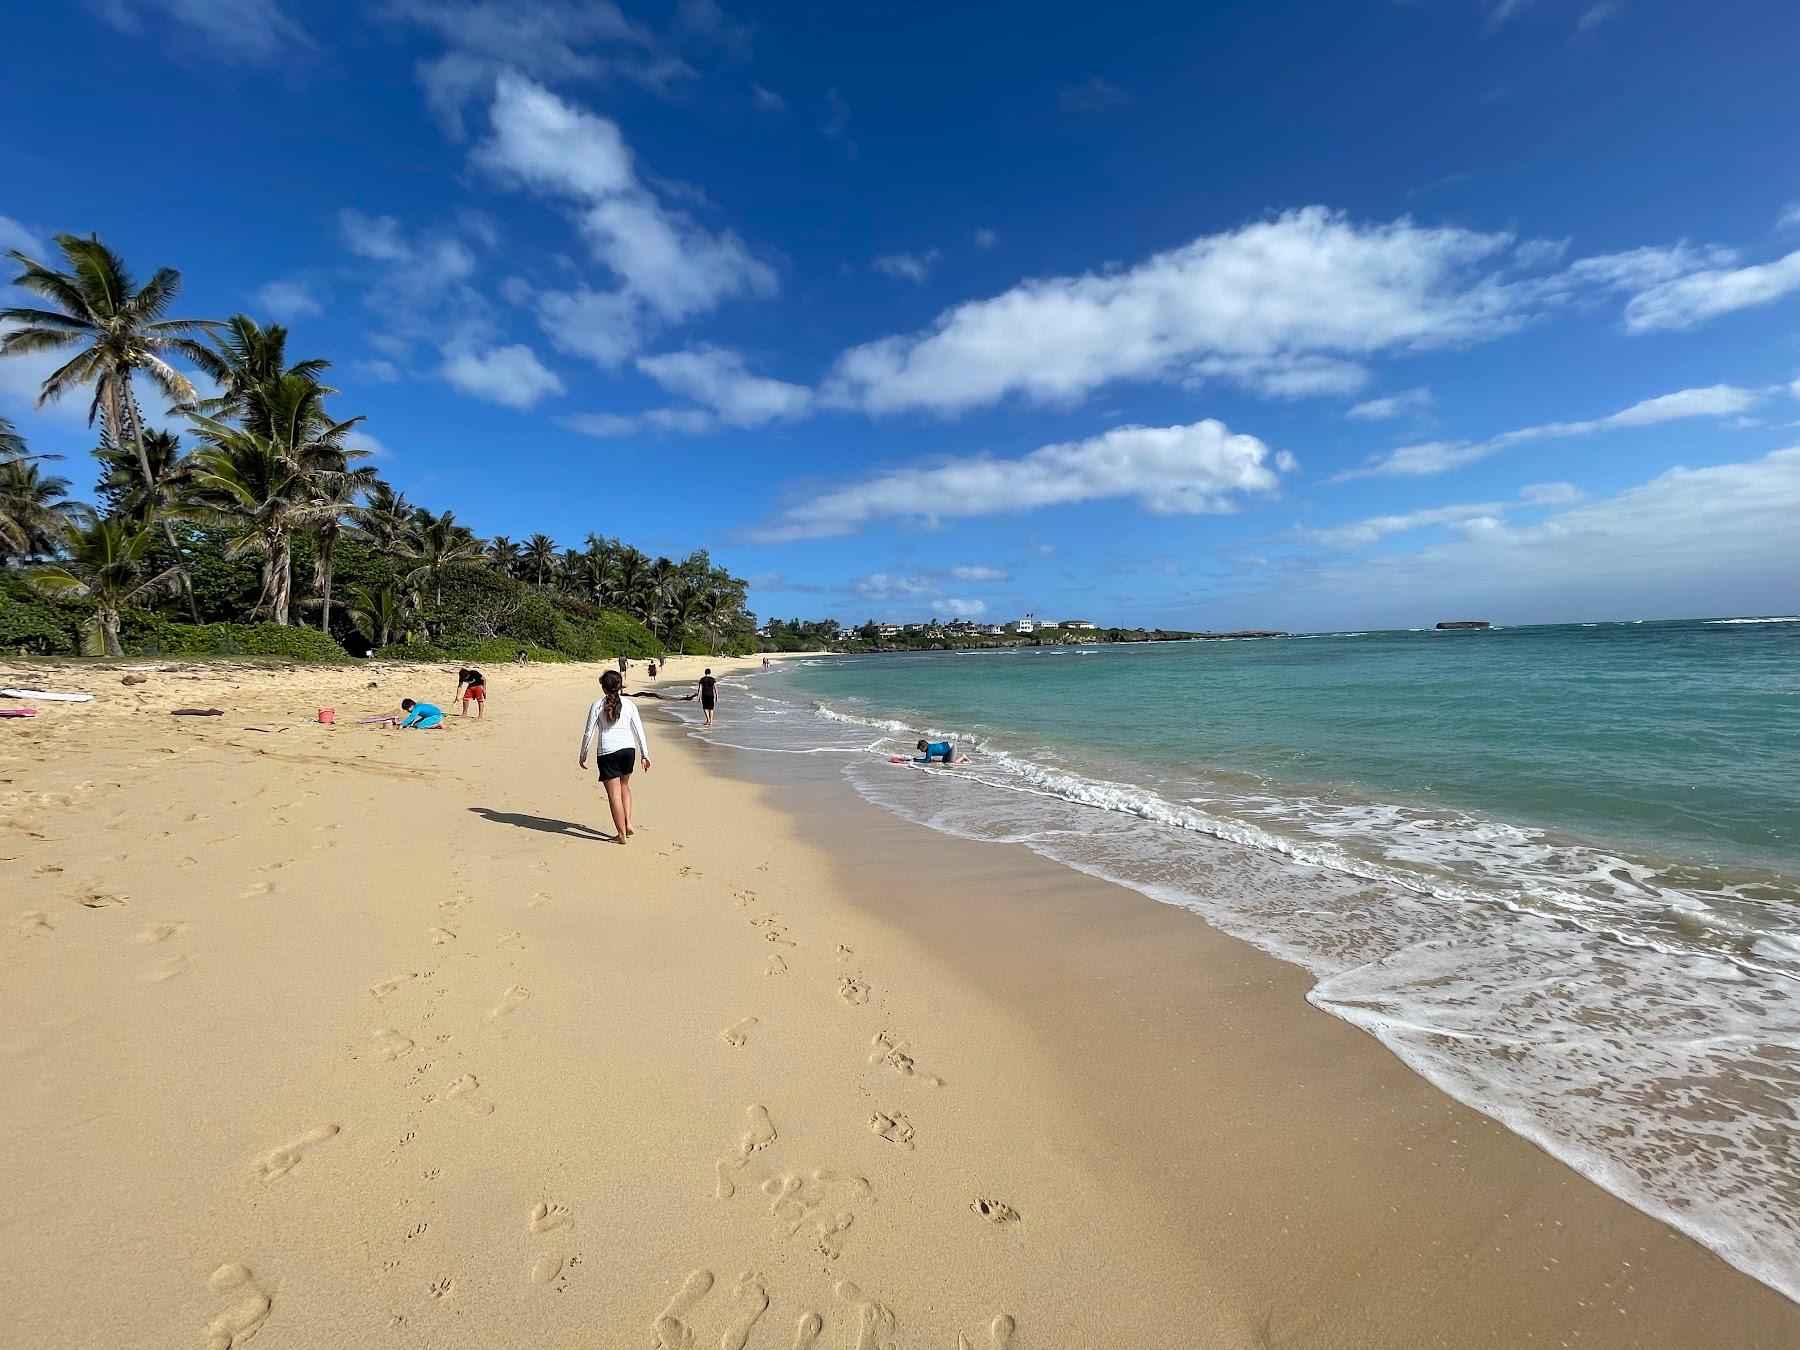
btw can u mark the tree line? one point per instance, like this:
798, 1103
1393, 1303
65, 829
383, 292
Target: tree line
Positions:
270, 488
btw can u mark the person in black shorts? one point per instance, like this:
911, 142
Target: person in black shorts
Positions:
709, 695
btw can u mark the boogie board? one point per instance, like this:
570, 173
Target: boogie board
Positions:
47, 697
18, 712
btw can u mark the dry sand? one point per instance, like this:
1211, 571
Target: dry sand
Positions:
336, 1036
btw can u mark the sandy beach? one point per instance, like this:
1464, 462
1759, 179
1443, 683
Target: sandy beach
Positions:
331, 1035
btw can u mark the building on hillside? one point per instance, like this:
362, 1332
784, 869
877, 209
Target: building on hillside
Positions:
1078, 623
889, 630
1025, 626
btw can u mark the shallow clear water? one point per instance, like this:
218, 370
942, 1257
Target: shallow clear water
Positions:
1556, 869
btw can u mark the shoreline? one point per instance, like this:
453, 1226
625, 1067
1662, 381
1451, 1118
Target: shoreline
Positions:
245, 927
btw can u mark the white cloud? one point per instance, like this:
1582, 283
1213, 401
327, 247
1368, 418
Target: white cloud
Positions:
985, 238
767, 99
1706, 541
1169, 470
255, 32
21, 377
377, 370
609, 426
1688, 300
1790, 217
880, 588
667, 266
15, 238
548, 40
718, 378
362, 440
1369, 530
376, 237
979, 573
1412, 461
1093, 96
1551, 494
1394, 405
1276, 304
1595, 15
907, 266
951, 607
510, 375
287, 300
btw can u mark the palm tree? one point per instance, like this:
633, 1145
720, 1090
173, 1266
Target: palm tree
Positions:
504, 554
336, 493
442, 548
243, 359
105, 563
148, 501
679, 615
119, 328
385, 520
715, 609
12, 444
35, 514
377, 613
539, 557
630, 587
261, 478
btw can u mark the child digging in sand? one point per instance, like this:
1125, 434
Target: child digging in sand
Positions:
422, 716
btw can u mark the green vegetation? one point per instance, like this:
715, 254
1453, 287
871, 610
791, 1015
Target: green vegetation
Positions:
268, 536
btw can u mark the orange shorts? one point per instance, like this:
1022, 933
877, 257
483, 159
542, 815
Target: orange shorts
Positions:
478, 692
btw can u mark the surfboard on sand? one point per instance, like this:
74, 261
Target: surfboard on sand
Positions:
46, 696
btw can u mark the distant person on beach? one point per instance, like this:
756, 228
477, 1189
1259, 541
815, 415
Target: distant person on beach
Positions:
709, 695
423, 716
624, 665
765, 663
615, 718
521, 658
472, 684
944, 750
653, 670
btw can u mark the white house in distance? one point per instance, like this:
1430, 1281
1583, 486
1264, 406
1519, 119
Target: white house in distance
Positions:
1078, 623
1025, 626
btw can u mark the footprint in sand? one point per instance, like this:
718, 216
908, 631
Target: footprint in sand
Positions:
100, 900
442, 1288
538, 898
511, 999
853, 991
897, 1055
875, 1323
545, 1217
464, 1090
546, 1268
1000, 1334
777, 966
668, 1331
737, 1033
244, 1318
754, 1297
387, 987
286, 1158
175, 965
845, 953
723, 1187
744, 897
439, 936
760, 1134
34, 925
995, 1211
390, 1044
260, 888
161, 931
895, 1128
806, 1334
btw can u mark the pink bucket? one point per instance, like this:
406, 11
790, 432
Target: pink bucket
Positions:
328, 715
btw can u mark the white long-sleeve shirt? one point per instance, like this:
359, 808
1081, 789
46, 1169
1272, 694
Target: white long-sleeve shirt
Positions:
620, 735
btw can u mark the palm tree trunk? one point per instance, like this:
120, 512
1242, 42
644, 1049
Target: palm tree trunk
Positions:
117, 411
281, 582
325, 542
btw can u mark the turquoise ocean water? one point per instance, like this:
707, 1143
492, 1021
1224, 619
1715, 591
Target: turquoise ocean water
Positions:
1555, 869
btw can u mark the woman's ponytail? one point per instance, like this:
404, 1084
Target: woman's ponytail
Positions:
610, 685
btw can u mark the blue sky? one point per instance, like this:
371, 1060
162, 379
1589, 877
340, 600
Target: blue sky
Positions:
1195, 315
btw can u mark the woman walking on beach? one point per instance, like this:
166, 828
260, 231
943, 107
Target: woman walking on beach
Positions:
621, 734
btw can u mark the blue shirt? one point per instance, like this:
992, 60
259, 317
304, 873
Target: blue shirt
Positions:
935, 750
423, 715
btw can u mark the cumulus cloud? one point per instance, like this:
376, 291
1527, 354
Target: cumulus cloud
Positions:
974, 572
667, 267
378, 370
1460, 515
508, 375
1394, 405
717, 377
1430, 457
254, 32
1177, 470
1685, 301
287, 300
907, 266
952, 607
1289, 305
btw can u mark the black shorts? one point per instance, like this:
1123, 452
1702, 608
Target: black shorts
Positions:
708, 704
617, 764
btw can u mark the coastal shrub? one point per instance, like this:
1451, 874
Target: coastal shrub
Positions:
412, 651
34, 623
156, 637
499, 651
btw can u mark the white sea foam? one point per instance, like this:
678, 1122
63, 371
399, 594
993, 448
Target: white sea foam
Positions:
1640, 1024
1789, 618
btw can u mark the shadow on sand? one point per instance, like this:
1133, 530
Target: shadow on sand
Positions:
543, 824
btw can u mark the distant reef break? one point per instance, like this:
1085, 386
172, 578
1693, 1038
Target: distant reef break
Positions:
1464, 623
